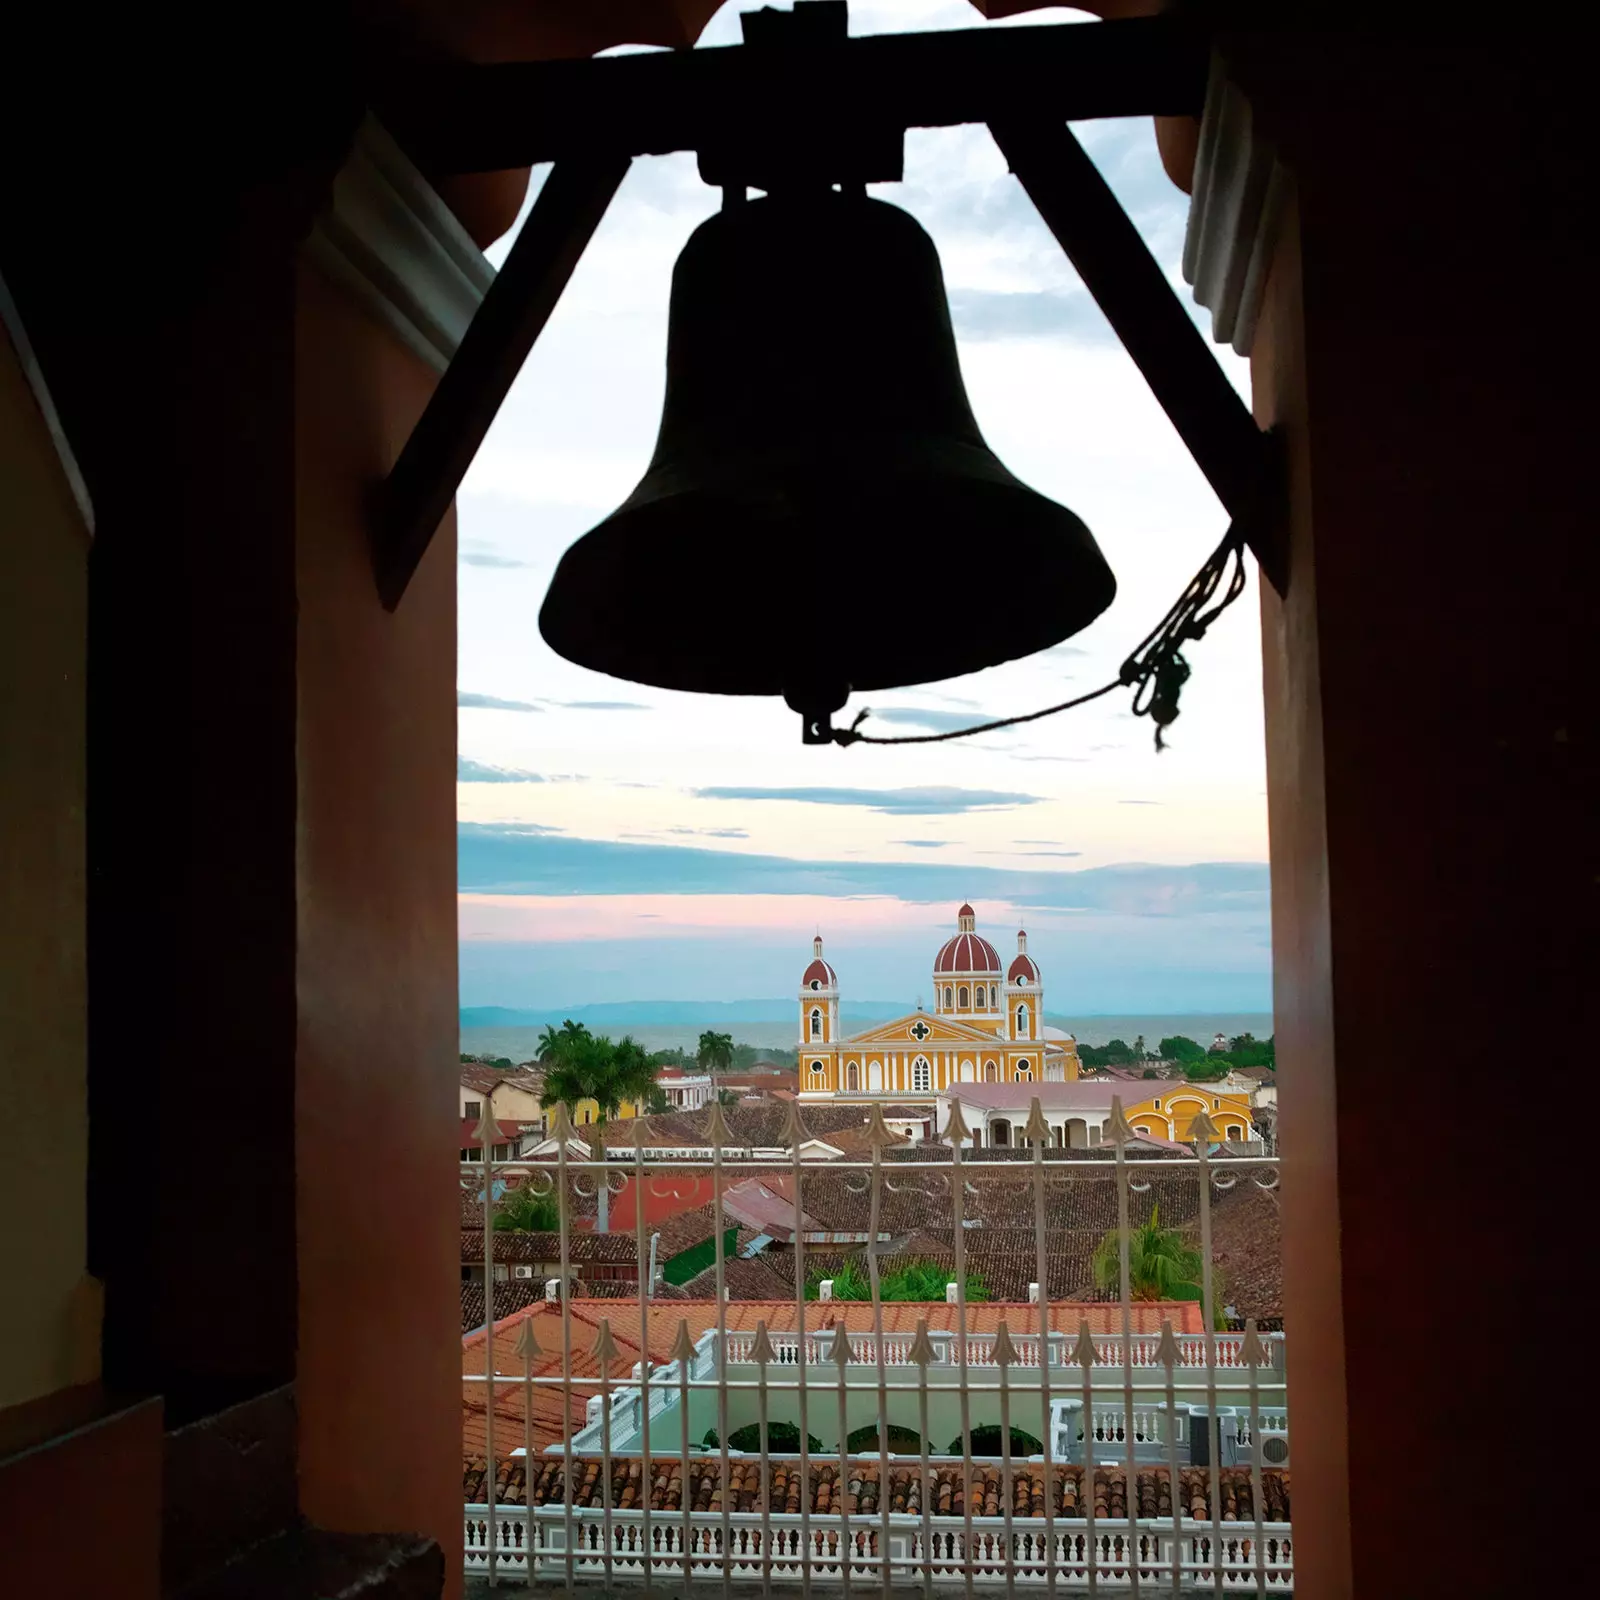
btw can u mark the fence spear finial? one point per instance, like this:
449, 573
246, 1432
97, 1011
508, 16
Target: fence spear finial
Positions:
1082, 1352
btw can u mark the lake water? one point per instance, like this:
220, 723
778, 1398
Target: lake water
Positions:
520, 1043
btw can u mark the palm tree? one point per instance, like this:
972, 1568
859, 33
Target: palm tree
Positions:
716, 1051
523, 1211
549, 1043
587, 1068
1162, 1264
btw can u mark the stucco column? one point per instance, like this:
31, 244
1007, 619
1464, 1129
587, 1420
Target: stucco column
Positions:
1429, 747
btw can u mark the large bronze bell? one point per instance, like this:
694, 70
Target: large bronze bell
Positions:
821, 513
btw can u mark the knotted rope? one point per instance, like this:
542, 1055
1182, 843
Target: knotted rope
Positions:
1156, 671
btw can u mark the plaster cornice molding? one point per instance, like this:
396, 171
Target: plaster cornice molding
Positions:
389, 239
1240, 188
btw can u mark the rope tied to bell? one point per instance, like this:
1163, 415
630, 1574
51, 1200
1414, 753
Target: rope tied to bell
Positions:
1156, 671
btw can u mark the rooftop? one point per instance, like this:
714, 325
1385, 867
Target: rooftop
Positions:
831, 1490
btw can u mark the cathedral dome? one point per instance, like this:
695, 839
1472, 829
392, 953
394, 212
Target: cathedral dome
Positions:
967, 952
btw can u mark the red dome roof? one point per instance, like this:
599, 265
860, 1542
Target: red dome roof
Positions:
967, 952
966, 911
1022, 967
820, 972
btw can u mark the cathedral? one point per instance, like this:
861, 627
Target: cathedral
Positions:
986, 1026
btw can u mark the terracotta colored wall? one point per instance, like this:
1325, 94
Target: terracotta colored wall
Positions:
78, 1480
1430, 740
375, 1062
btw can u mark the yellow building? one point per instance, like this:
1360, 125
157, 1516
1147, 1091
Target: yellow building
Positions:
1078, 1113
986, 1042
986, 1026
516, 1096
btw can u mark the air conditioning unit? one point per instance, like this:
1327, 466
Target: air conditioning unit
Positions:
1272, 1447
522, 1271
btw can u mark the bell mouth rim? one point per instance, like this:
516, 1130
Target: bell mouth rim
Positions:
639, 556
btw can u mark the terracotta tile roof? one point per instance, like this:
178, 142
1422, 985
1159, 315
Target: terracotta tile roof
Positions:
606, 1289
1247, 1247
549, 1412
838, 1199
757, 1123
509, 1297
484, 1078
686, 1230
754, 1279
832, 1488
741, 1316
610, 1249
507, 1131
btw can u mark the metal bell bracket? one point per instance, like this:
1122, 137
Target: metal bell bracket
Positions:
591, 117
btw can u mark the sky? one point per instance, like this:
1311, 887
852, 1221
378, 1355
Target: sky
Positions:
620, 842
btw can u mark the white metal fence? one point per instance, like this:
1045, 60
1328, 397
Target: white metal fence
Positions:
1178, 1483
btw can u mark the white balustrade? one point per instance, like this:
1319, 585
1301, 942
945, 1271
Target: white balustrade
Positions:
1108, 1349
778, 1542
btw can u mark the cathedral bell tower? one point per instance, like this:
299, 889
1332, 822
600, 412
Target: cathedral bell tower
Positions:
819, 1001
1024, 994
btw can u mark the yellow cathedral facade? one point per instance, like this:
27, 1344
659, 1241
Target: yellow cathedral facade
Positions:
986, 1026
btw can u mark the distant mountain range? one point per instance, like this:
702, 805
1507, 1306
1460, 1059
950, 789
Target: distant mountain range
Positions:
719, 1014
770, 1024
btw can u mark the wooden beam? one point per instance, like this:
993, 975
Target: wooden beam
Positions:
452, 117
413, 499
1238, 459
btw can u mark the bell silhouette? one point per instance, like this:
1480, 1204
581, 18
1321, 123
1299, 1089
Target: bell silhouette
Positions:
819, 470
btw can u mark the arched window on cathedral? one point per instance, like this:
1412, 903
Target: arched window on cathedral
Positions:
990, 1072
994, 997
1024, 1071
962, 1001
1022, 1022
921, 1076
816, 1070
852, 1077
947, 1000
816, 1024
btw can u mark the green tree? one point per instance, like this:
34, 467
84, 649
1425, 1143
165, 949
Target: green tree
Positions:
1208, 1069
1138, 1048
1178, 1048
656, 1102
1162, 1264
922, 1281
554, 1042
926, 1280
597, 1069
523, 1211
1248, 1051
715, 1053
728, 1097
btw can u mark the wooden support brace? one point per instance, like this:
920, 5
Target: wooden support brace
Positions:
458, 117
1240, 462
413, 499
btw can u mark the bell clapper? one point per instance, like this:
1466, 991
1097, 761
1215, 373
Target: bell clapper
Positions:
816, 704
